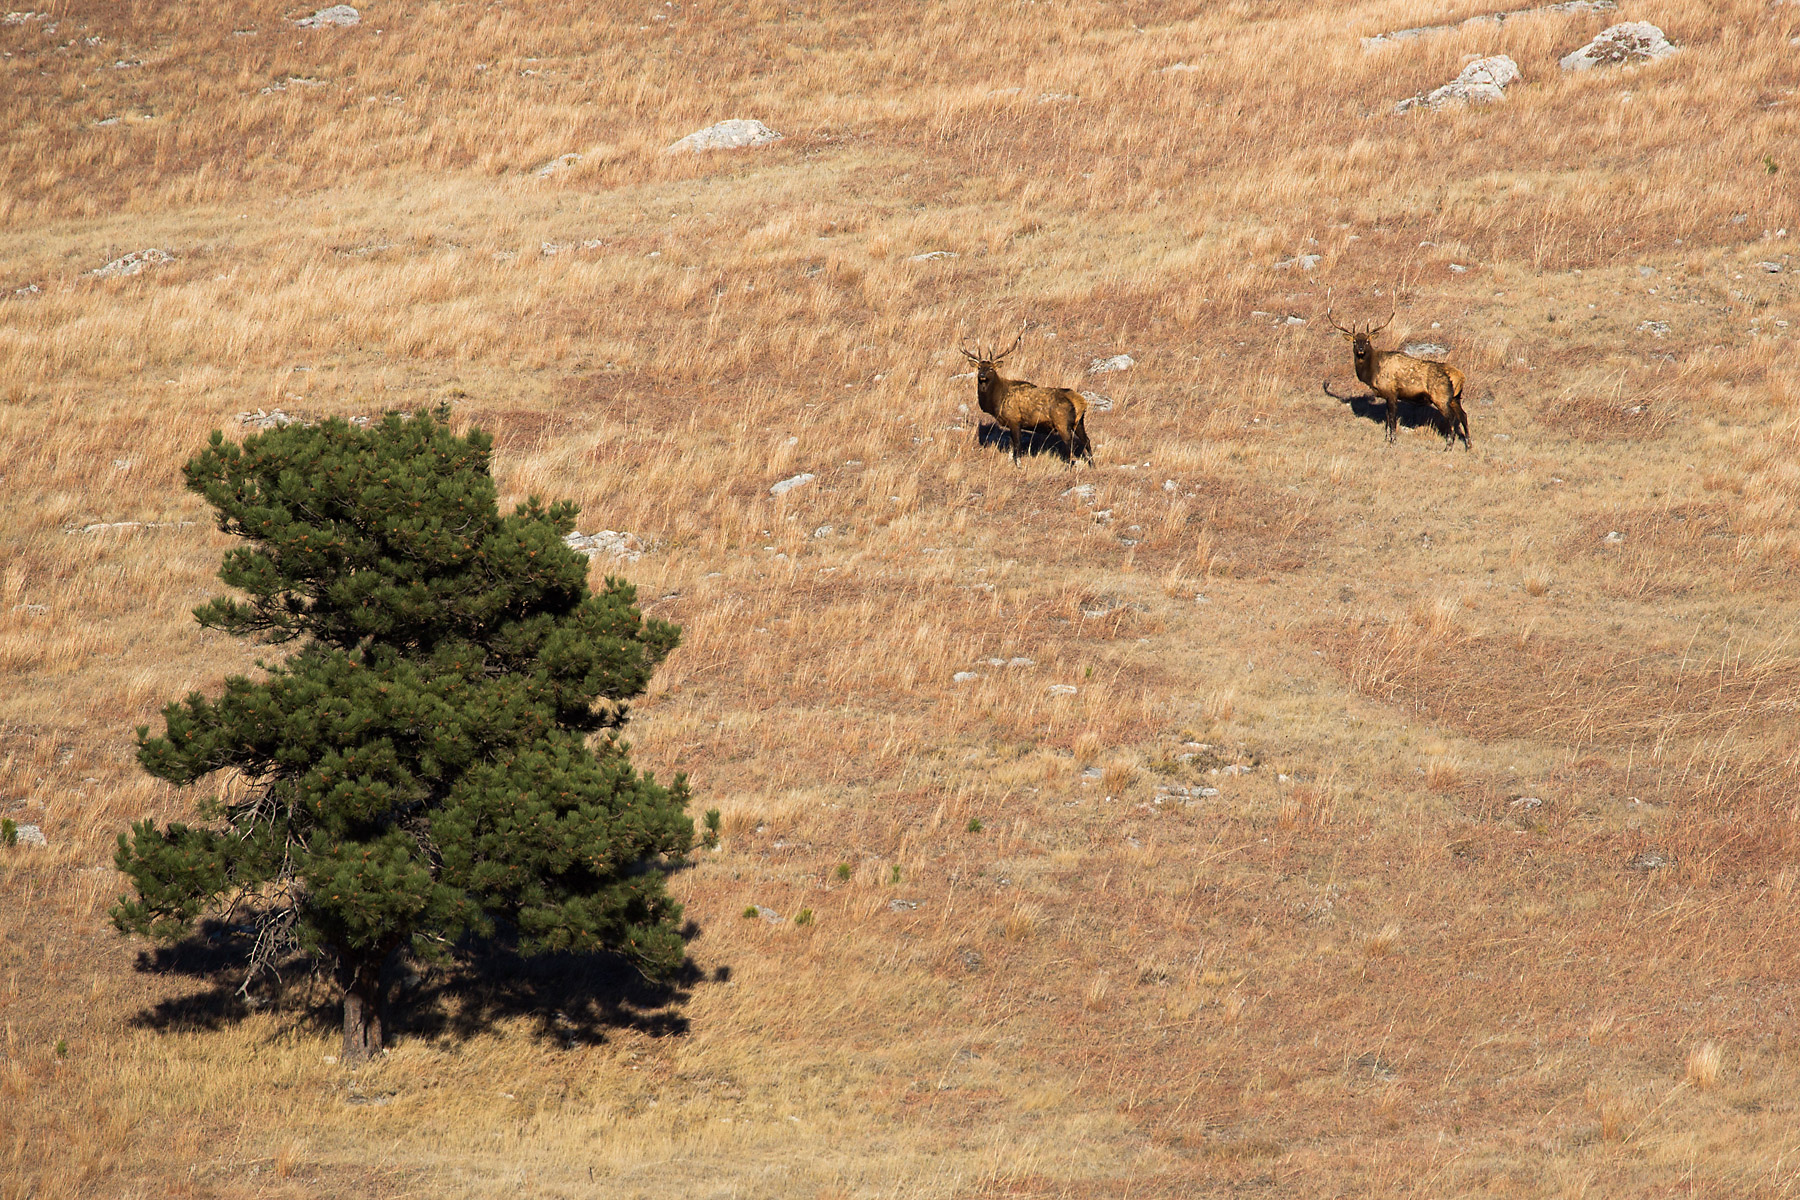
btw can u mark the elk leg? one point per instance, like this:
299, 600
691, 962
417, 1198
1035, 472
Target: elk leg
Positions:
1015, 442
1462, 422
1066, 431
1393, 418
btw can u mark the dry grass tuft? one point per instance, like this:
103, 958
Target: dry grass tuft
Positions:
1703, 1066
1443, 773
1021, 924
1383, 941
1118, 778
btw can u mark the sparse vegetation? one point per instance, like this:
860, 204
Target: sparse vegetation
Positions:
662, 338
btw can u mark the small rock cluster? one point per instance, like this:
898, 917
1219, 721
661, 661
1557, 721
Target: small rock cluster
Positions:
726, 135
132, 263
1181, 794
1482, 81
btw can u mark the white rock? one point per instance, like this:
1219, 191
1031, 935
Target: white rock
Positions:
106, 526
561, 162
1081, 491
964, 677
1098, 402
612, 542
1773, 268
1021, 662
30, 835
1178, 69
1305, 262
790, 483
1063, 689
1118, 362
1482, 81
1494, 18
1655, 328
726, 135
341, 15
824, 531
931, 256
273, 419
1419, 349
1627, 42
132, 263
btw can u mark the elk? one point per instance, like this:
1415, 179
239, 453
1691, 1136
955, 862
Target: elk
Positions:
1018, 404
1395, 376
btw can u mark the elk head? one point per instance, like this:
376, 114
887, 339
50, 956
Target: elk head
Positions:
987, 362
1358, 337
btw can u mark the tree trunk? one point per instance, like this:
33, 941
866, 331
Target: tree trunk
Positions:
361, 979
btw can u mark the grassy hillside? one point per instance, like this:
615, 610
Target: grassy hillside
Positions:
1420, 823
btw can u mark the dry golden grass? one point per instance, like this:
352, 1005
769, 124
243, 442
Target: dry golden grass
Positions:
1533, 705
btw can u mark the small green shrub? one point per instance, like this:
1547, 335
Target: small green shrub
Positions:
710, 838
896, 876
62, 1047
750, 913
843, 872
974, 824
803, 917
9, 832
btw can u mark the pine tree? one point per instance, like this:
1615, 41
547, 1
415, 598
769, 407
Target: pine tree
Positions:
420, 768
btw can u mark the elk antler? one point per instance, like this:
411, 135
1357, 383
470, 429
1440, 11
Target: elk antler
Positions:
1010, 348
1393, 307
1332, 319
974, 358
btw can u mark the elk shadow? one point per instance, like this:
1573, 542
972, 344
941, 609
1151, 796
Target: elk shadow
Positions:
1039, 440
571, 998
1371, 407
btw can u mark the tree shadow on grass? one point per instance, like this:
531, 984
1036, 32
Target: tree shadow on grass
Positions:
575, 999
1371, 407
572, 999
